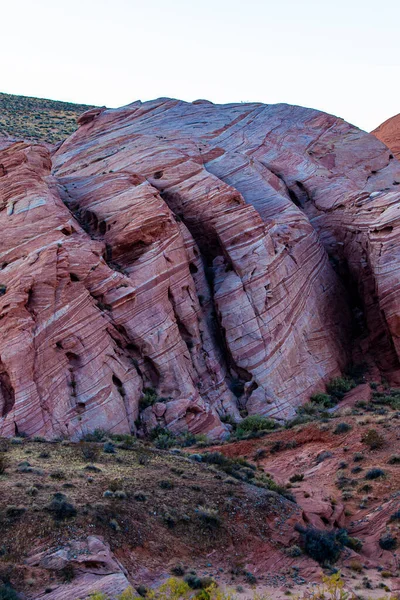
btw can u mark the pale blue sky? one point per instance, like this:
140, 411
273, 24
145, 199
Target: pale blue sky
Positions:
341, 56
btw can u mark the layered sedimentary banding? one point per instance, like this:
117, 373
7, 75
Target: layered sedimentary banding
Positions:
389, 133
193, 249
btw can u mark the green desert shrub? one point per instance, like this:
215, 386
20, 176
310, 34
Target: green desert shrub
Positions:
395, 516
373, 439
8, 593
323, 400
209, 516
60, 508
339, 386
98, 435
389, 398
294, 551
375, 473
342, 428
321, 545
149, 397
254, 424
358, 457
394, 459
388, 541
109, 448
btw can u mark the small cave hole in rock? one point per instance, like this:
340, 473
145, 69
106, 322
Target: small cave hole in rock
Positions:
80, 407
294, 198
73, 359
158, 174
73, 277
65, 231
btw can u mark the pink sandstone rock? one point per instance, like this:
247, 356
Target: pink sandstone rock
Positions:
95, 570
389, 134
192, 249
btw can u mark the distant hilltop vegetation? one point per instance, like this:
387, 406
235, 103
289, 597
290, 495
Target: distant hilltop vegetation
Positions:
38, 119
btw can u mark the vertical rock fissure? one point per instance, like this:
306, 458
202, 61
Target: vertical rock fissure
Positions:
210, 249
354, 285
7, 394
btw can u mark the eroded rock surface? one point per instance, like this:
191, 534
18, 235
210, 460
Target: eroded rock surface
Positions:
389, 134
194, 249
92, 567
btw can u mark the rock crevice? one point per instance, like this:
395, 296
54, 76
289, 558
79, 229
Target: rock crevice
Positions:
195, 249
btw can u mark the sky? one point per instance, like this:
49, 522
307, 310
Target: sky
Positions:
339, 56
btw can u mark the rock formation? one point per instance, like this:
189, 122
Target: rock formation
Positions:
389, 134
94, 568
224, 256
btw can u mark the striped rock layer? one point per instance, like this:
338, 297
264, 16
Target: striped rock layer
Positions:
389, 133
227, 257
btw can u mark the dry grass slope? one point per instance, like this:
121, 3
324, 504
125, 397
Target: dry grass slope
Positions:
38, 119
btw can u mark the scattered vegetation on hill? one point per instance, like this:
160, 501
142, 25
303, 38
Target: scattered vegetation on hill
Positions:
38, 119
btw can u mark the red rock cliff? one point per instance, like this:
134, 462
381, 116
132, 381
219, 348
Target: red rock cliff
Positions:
389, 134
194, 249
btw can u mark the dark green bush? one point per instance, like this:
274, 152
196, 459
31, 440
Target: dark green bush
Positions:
15, 512
375, 474
358, 457
356, 470
353, 543
388, 542
323, 456
162, 438
209, 516
198, 583
254, 423
339, 386
60, 508
322, 546
178, 570
342, 428
324, 400
389, 398
149, 397
395, 516
250, 578
109, 448
294, 551
166, 484
59, 475
98, 435
8, 593
394, 460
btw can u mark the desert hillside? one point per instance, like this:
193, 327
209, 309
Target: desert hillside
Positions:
38, 119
